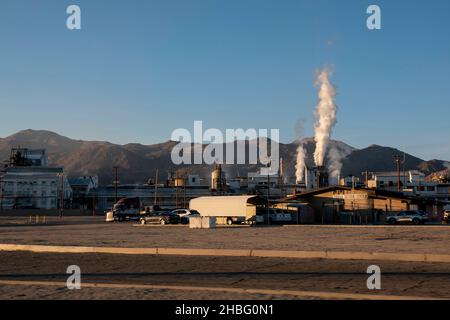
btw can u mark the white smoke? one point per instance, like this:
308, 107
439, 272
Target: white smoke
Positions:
325, 115
335, 156
300, 164
334, 159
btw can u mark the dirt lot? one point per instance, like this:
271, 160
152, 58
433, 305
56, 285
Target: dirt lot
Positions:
93, 231
344, 277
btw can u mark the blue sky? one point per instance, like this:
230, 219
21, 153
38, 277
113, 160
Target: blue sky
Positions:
140, 69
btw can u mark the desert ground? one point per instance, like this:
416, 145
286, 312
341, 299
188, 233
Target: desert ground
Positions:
177, 277
93, 231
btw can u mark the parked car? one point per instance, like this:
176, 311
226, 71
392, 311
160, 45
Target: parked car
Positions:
410, 216
153, 209
160, 218
446, 217
185, 219
275, 216
186, 214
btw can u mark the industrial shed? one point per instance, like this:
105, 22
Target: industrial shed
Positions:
348, 205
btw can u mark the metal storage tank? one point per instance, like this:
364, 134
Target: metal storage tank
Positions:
218, 179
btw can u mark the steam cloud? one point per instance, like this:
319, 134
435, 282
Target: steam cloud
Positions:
334, 158
325, 115
300, 163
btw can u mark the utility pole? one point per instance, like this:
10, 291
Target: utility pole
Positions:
176, 190
116, 183
268, 193
184, 191
404, 172
398, 162
1, 190
93, 205
61, 201
149, 189
156, 188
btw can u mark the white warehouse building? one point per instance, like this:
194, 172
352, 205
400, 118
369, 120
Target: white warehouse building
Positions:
33, 184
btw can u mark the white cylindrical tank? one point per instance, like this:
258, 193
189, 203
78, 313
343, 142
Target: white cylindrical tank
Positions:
217, 178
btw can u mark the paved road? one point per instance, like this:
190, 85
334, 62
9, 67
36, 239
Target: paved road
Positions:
167, 277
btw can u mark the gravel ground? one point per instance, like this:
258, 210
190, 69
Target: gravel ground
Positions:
92, 231
58, 293
403, 279
398, 278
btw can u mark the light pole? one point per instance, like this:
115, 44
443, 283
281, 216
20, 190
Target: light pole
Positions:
398, 161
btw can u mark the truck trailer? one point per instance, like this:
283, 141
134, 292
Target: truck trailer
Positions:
230, 209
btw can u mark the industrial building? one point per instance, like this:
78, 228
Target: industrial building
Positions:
82, 189
314, 178
339, 204
104, 197
412, 183
28, 182
391, 180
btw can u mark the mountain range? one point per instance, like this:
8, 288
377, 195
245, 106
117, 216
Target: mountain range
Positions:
138, 162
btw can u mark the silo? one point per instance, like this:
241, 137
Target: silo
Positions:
178, 182
218, 179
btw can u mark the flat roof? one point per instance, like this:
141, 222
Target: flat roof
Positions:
373, 193
31, 169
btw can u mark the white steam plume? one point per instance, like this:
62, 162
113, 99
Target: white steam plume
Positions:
301, 152
335, 155
334, 158
325, 114
300, 164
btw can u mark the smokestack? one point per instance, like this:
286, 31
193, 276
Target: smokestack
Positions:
306, 177
325, 115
